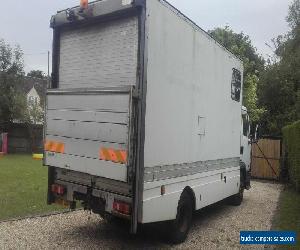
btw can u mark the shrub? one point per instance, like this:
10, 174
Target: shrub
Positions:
291, 140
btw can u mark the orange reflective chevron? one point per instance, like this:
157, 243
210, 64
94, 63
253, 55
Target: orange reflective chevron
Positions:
124, 155
114, 155
104, 154
60, 148
48, 145
53, 146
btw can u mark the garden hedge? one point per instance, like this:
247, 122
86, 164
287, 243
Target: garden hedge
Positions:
291, 140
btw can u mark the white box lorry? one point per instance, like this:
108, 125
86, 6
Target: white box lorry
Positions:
144, 120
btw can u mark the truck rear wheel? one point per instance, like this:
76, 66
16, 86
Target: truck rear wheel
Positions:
237, 199
181, 225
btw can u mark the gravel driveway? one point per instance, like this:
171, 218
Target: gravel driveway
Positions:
216, 227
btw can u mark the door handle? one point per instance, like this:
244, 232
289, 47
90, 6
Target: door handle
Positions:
223, 178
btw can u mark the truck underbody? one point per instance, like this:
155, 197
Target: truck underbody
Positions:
95, 193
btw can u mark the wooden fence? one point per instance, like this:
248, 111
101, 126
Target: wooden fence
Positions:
20, 141
266, 159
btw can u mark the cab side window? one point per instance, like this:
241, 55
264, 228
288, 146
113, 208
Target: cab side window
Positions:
236, 85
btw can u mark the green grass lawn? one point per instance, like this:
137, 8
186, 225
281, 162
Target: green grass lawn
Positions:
288, 214
23, 187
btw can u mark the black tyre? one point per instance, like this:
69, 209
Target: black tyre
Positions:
237, 199
181, 225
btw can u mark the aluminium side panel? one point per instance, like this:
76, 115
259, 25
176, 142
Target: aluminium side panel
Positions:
192, 125
190, 115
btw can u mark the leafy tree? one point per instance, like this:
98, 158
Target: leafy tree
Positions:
277, 96
293, 17
241, 45
251, 99
279, 88
13, 102
32, 115
37, 74
11, 73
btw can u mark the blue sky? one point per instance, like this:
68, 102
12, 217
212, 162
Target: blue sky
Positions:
26, 22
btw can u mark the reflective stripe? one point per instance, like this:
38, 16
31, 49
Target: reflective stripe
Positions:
124, 155
119, 156
116, 156
104, 154
113, 155
53, 146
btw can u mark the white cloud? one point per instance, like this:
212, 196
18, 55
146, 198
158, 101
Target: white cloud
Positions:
27, 22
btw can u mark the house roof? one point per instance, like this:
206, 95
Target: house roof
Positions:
40, 85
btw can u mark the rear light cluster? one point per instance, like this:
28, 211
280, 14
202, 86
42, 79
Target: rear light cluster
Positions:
121, 207
58, 189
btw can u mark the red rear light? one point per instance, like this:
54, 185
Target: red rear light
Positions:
121, 207
58, 189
